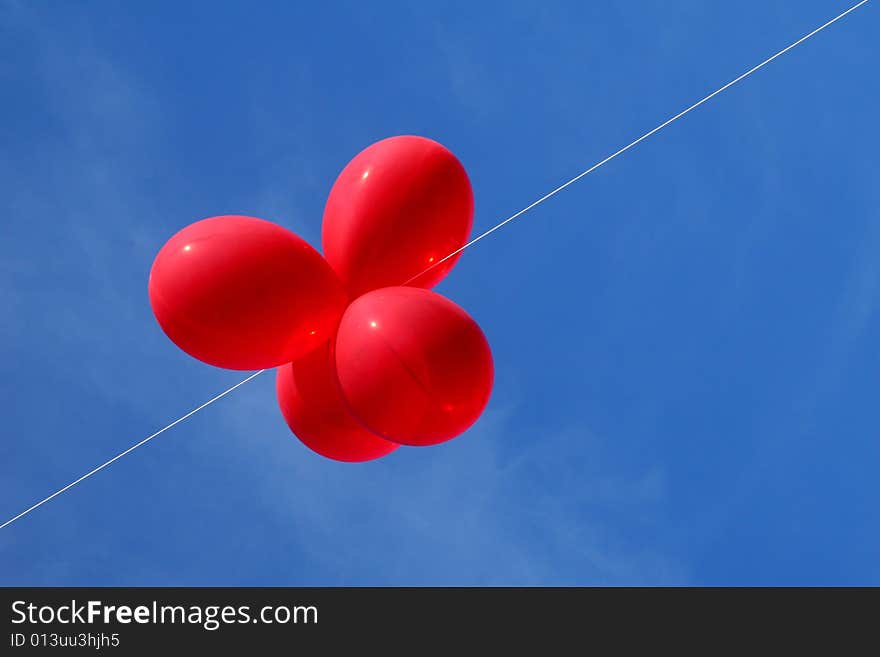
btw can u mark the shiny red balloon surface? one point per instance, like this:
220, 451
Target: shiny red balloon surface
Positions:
413, 366
244, 293
310, 400
399, 206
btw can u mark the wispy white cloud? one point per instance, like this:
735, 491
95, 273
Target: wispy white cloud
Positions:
464, 513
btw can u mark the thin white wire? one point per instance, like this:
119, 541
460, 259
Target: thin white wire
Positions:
130, 449
640, 139
457, 251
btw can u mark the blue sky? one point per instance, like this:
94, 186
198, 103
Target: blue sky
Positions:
685, 341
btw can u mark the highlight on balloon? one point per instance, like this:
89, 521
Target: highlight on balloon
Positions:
368, 358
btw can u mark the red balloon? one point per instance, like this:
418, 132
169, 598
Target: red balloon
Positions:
309, 397
399, 206
413, 366
243, 293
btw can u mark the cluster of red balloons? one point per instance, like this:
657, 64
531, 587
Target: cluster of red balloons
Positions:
368, 357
